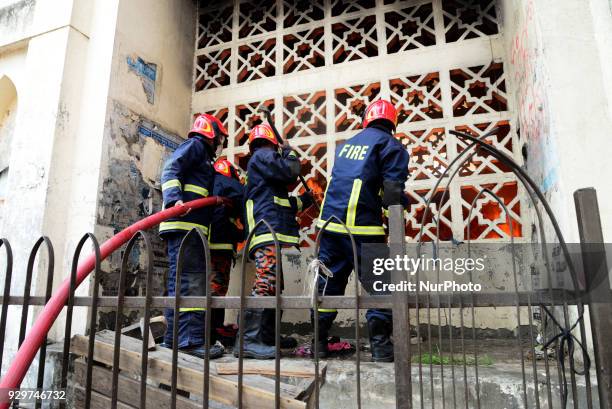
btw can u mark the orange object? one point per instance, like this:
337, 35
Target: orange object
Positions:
381, 109
262, 131
205, 125
225, 168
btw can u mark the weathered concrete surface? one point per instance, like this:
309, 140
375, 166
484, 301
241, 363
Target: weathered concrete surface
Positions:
500, 385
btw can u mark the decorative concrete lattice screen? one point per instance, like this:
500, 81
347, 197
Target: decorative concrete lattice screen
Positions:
317, 64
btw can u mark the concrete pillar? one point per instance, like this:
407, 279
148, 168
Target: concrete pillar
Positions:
58, 136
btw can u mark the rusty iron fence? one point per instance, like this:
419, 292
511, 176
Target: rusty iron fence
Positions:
571, 336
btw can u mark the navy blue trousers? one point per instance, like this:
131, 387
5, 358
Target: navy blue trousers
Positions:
193, 282
336, 252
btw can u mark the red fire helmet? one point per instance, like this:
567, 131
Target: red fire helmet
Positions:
205, 125
381, 109
225, 168
262, 131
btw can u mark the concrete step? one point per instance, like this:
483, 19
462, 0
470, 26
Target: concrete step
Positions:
500, 386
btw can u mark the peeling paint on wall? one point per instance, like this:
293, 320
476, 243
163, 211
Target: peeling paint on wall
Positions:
150, 130
130, 191
147, 72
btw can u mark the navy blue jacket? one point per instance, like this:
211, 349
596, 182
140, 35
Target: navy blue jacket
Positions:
188, 175
269, 175
224, 231
354, 191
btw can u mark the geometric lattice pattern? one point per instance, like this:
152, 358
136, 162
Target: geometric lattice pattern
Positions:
350, 104
465, 19
478, 90
313, 37
417, 98
409, 28
317, 64
304, 115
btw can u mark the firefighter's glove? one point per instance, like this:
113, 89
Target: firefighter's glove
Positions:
292, 160
393, 191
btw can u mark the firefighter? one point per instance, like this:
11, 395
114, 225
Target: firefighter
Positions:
369, 163
270, 174
188, 175
225, 233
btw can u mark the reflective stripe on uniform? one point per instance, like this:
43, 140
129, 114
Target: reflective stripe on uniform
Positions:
351, 213
196, 189
164, 226
250, 217
327, 310
262, 238
221, 246
282, 202
324, 197
190, 309
351, 216
170, 184
218, 246
362, 230
300, 205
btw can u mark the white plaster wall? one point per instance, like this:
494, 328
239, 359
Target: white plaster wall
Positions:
62, 84
160, 32
560, 54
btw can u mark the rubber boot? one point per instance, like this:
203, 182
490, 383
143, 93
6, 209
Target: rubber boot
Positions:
286, 342
325, 324
215, 352
254, 345
380, 340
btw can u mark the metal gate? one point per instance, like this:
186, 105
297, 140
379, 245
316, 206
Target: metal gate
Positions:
569, 339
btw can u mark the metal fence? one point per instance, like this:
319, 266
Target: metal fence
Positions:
571, 335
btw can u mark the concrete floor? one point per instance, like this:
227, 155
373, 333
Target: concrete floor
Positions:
500, 380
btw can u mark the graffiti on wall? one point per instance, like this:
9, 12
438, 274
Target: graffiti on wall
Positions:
529, 75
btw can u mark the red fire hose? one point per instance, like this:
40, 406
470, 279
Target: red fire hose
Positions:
34, 338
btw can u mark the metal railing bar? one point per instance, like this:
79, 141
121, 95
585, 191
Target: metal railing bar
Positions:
120, 298
69, 310
543, 243
482, 299
93, 315
8, 273
48, 291
144, 367
357, 306
509, 221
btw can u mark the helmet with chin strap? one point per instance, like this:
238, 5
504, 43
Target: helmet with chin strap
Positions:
208, 126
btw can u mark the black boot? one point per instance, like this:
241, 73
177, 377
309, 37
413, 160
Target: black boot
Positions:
254, 345
200, 351
324, 326
286, 342
380, 340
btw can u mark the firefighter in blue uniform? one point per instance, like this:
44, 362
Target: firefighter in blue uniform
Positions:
188, 175
225, 233
370, 162
270, 174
